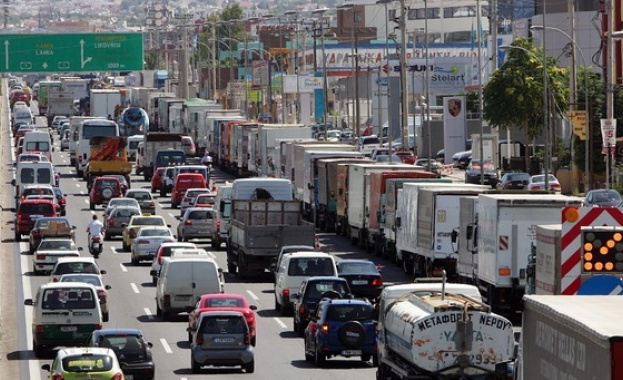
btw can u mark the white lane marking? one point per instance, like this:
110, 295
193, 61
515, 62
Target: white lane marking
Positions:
123, 268
75, 179
77, 185
253, 295
160, 204
280, 323
165, 345
134, 288
148, 313
86, 201
113, 249
81, 192
171, 214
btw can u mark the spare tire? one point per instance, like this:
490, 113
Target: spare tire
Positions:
331, 294
107, 193
352, 334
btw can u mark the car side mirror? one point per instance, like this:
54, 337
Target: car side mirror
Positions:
12, 182
153, 273
124, 224
107, 287
46, 367
168, 225
220, 270
150, 344
102, 272
73, 227
28, 302
252, 307
398, 221
189, 329
80, 248
178, 217
273, 267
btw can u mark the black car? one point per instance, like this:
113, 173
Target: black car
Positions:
462, 159
602, 198
312, 291
514, 181
62, 199
363, 276
473, 171
131, 348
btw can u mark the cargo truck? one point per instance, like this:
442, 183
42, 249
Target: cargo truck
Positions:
358, 193
266, 152
74, 87
376, 203
165, 113
152, 144
571, 337
59, 104
44, 92
431, 334
193, 115
264, 218
109, 155
326, 210
239, 148
504, 235
208, 131
104, 102
427, 214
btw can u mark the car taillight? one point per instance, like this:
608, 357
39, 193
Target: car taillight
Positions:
324, 328
159, 259
555, 186
247, 338
142, 242
36, 233
40, 257
167, 300
80, 159
302, 309
377, 282
199, 339
101, 293
57, 376
286, 295
188, 222
95, 238
218, 224
98, 326
55, 279
132, 233
111, 222
152, 203
38, 328
117, 376
63, 201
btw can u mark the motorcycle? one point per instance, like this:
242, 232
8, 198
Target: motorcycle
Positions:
95, 245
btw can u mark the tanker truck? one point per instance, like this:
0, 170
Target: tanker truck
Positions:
441, 335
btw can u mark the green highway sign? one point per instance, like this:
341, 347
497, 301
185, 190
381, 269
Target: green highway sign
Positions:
57, 53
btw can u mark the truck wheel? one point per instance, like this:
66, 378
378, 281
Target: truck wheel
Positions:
163, 192
277, 305
146, 177
18, 236
91, 206
215, 243
407, 266
79, 173
37, 349
231, 268
250, 367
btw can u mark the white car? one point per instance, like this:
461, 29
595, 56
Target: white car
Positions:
166, 250
188, 200
144, 199
367, 144
68, 265
147, 241
50, 250
130, 202
97, 282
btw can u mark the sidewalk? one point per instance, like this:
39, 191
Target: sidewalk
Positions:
9, 326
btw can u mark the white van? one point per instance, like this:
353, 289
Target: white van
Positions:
37, 141
221, 215
183, 280
296, 267
133, 143
32, 173
65, 314
140, 153
278, 189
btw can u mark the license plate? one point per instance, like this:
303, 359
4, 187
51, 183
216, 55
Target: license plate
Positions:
96, 245
182, 298
151, 253
35, 217
360, 282
129, 377
69, 328
351, 352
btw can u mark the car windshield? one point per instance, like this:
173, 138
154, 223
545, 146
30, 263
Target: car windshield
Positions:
223, 302
127, 344
344, 313
93, 280
358, 267
606, 196
223, 325
200, 214
139, 196
205, 199
45, 222
68, 298
316, 289
148, 222
125, 212
154, 232
87, 363
311, 267
194, 193
38, 191
108, 183
36, 208
57, 245
541, 178
122, 202
519, 177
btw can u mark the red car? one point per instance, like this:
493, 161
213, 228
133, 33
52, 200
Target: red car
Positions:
222, 302
155, 179
28, 212
103, 190
406, 156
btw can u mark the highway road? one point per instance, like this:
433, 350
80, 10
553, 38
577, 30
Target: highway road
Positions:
279, 352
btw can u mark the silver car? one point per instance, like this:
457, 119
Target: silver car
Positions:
144, 199
118, 216
222, 339
189, 198
196, 223
121, 202
147, 241
48, 252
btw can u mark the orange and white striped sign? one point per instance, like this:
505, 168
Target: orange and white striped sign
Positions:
573, 219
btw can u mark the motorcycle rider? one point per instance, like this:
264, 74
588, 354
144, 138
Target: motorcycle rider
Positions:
95, 227
206, 159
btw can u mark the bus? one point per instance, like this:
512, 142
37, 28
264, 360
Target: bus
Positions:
92, 128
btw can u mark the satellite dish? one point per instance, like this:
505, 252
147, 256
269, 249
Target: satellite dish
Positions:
114, 19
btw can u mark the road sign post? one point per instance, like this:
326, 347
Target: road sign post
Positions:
58, 53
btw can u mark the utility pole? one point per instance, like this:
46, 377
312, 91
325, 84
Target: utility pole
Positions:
609, 78
214, 61
403, 74
573, 100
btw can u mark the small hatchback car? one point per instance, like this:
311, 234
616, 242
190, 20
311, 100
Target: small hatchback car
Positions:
341, 328
131, 348
84, 363
222, 339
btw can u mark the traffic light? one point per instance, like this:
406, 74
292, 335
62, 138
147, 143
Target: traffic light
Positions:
602, 250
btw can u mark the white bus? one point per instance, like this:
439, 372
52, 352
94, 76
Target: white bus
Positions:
88, 129
75, 122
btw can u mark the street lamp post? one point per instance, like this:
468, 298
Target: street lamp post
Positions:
321, 12
573, 95
295, 64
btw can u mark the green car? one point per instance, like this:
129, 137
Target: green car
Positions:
84, 363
